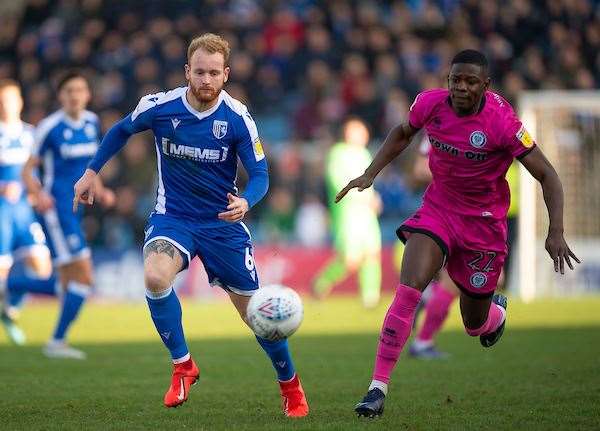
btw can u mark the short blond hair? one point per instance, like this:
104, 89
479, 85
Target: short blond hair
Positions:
210, 43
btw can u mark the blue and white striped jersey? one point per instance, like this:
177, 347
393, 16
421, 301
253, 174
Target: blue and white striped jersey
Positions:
16, 142
197, 153
65, 147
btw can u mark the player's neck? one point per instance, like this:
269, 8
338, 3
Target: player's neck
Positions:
74, 115
199, 105
475, 109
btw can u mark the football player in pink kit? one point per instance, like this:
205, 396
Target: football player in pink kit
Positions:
475, 135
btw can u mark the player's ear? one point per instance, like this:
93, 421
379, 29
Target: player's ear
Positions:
226, 74
486, 83
187, 71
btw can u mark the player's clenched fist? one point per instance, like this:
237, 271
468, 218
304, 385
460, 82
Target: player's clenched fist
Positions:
85, 189
237, 208
363, 182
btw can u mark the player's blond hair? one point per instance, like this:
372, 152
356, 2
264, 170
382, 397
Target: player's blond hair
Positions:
210, 43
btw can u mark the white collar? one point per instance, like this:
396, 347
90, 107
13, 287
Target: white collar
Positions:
203, 114
71, 122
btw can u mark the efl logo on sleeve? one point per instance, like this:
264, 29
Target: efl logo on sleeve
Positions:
524, 136
259, 153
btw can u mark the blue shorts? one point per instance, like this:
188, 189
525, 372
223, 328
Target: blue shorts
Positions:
225, 251
64, 234
20, 233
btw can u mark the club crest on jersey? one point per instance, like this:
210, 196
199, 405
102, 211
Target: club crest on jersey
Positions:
219, 128
478, 280
477, 139
67, 134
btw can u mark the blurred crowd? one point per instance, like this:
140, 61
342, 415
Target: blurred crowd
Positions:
301, 66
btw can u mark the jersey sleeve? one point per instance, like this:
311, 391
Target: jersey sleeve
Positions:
143, 114
41, 139
253, 158
517, 140
116, 138
420, 110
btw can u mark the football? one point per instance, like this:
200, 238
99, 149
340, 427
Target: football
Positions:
275, 312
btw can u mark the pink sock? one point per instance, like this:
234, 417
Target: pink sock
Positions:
396, 329
494, 320
436, 312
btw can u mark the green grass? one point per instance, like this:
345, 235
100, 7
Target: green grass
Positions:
543, 375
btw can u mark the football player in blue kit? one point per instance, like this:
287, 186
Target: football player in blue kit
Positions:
21, 236
65, 142
200, 131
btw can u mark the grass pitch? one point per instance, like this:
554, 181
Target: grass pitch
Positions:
543, 375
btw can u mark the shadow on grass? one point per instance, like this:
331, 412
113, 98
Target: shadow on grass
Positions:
535, 379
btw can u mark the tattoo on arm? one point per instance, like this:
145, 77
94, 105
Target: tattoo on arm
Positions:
159, 246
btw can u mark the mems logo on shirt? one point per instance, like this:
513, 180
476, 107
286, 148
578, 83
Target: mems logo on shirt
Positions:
210, 155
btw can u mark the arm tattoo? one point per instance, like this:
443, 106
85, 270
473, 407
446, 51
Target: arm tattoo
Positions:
159, 246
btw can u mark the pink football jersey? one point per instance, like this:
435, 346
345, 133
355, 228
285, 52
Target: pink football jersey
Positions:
470, 155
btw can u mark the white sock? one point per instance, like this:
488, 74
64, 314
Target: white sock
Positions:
379, 385
160, 294
422, 344
182, 359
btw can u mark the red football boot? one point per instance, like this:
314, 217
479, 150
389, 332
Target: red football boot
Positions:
294, 400
184, 376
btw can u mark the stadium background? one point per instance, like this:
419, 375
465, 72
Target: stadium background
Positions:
301, 67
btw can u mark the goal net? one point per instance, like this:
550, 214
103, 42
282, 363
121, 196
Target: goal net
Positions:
566, 126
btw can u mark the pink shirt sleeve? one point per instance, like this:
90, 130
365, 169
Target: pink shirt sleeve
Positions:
420, 110
517, 140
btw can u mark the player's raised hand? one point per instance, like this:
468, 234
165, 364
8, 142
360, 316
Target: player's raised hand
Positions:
559, 251
85, 189
360, 183
237, 208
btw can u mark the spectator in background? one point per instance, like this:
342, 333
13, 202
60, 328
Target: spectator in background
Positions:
305, 65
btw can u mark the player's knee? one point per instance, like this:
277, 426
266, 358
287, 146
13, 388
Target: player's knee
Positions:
155, 280
415, 280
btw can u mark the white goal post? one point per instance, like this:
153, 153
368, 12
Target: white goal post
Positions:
566, 126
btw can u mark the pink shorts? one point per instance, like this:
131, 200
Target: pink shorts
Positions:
474, 247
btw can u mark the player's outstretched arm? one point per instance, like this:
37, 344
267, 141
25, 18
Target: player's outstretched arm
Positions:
86, 187
395, 142
42, 201
541, 169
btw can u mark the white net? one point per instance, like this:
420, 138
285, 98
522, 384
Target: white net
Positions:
566, 126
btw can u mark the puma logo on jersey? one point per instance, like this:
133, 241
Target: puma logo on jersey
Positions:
179, 151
